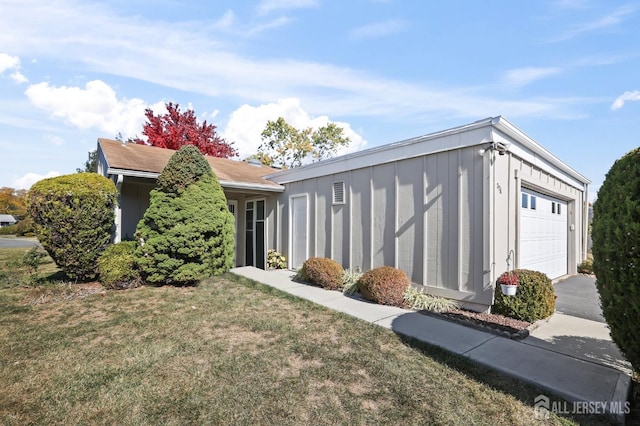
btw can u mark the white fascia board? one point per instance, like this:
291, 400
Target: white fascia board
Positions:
534, 153
226, 184
475, 133
133, 173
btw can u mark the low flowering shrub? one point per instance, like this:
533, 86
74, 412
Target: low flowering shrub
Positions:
326, 273
508, 278
384, 285
276, 260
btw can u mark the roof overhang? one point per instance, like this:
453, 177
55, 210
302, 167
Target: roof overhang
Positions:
539, 151
477, 133
230, 185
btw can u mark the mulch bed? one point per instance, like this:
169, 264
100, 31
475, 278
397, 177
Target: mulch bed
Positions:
492, 323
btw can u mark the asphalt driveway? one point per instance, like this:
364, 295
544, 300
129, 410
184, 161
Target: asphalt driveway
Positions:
18, 242
578, 297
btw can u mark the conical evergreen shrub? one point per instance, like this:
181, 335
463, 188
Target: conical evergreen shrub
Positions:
186, 234
616, 253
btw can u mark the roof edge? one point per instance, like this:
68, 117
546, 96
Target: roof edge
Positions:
383, 148
226, 184
512, 131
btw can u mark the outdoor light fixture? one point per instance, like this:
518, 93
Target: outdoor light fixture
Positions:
495, 146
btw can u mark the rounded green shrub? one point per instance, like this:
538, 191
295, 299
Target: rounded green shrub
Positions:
74, 217
533, 301
186, 234
616, 253
326, 273
117, 266
384, 285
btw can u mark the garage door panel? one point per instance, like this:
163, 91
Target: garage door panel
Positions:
543, 234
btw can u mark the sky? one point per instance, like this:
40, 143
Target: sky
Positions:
566, 72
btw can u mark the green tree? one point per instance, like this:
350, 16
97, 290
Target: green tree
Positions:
13, 202
74, 216
186, 234
91, 164
285, 146
616, 253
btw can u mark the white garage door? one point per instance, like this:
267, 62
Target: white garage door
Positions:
543, 234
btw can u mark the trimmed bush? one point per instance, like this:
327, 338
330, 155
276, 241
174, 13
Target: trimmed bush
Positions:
533, 301
616, 253
326, 273
74, 216
186, 234
117, 266
384, 285
586, 267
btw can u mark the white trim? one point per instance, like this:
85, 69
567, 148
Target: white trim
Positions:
234, 203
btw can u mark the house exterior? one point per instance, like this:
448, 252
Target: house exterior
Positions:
7, 220
251, 198
453, 209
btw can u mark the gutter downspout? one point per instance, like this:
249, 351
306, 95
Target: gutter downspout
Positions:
118, 211
585, 223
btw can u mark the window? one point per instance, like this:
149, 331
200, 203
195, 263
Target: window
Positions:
525, 201
558, 209
553, 207
338, 192
533, 202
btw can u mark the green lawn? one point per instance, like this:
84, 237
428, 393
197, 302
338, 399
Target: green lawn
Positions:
230, 351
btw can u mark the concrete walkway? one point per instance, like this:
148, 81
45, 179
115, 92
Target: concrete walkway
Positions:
555, 360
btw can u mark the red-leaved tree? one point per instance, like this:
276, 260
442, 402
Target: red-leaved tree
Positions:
176, 128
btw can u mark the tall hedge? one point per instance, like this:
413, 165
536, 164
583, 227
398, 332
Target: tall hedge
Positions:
186, 234
74, 217
616, 253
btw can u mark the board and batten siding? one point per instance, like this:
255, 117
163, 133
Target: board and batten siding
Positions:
424, 215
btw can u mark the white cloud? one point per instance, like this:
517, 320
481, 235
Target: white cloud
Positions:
626, 96
571, 4
55, 140
94, 106
29, 179
611, 20
18, 77
267, 6
12, 63
523, 76
226, 21
8, 62
246, 124
378, 29
209, 67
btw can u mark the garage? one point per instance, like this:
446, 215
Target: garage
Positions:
543, 234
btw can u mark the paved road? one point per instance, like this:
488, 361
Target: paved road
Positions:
17, 242
578, 297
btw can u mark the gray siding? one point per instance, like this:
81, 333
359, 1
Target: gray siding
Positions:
423, 215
